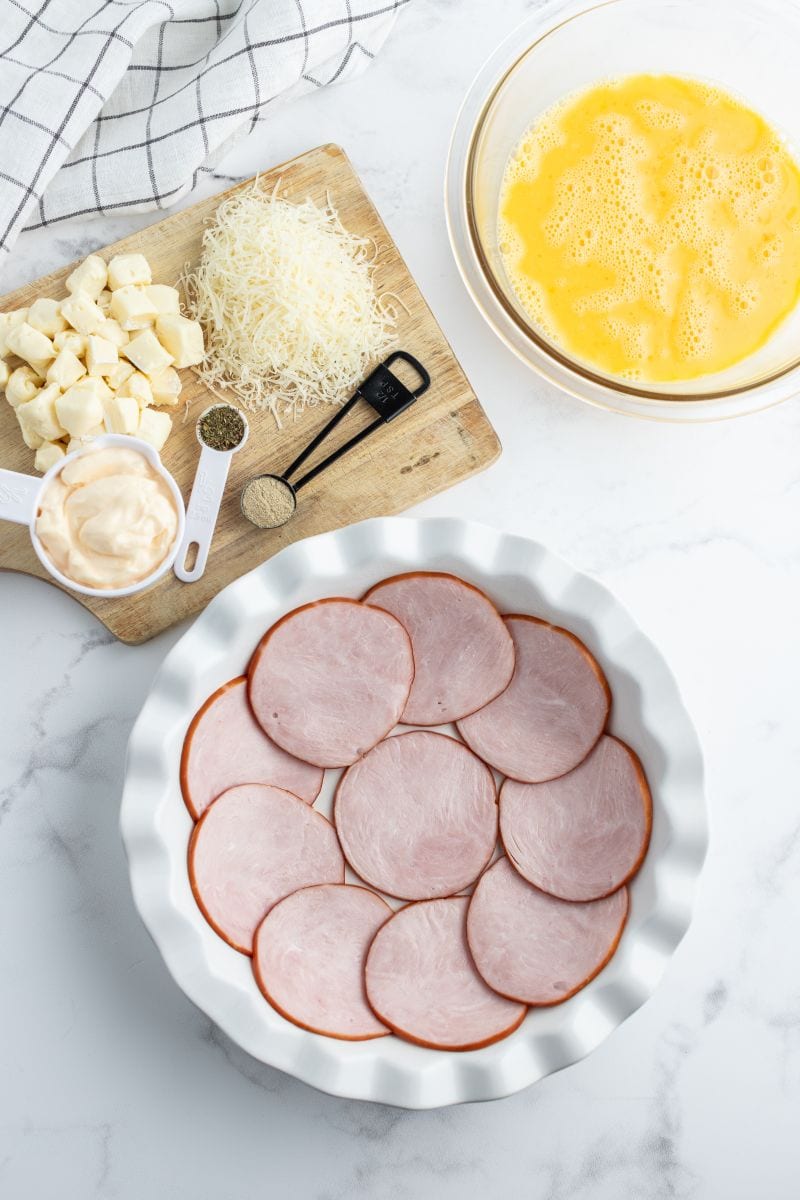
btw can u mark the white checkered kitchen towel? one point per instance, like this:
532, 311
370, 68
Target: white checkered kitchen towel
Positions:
118, 105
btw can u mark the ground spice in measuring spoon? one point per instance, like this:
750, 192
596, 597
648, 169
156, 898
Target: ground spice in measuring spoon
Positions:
221, 427
268, 501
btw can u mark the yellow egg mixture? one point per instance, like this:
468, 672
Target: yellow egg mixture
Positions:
650, 227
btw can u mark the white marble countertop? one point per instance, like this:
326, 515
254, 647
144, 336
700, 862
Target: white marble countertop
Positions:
113, 1085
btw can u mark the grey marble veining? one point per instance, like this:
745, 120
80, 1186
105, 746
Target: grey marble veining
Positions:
115, 1086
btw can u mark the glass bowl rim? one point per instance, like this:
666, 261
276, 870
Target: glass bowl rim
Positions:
571, 375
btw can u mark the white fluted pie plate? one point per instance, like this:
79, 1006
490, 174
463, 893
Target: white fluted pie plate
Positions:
648, 713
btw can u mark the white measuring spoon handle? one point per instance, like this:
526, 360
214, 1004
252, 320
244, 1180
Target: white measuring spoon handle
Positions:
201, 513
18, 494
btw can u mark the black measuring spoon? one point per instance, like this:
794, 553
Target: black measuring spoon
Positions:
269, 501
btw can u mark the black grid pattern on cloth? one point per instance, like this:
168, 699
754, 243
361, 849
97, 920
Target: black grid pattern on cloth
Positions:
112, 105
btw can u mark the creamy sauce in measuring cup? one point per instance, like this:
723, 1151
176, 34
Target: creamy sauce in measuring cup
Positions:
108, 519
114, 516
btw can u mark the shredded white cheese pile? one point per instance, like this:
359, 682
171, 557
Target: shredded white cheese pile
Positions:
287, 300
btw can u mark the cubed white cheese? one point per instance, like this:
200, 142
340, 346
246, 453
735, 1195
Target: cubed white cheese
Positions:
5, 372
166, 299
138, 386
45, 315
182, 338
125, 269
154, 427
65, 369
40, 366
48, 454
112, 331
30, 344
166, 386
80, 408
82, 313
30, 437
9, 321
39, 419
121, 372
77, 443
121, 414
22, 386
146, 352
89, 277
104, 299
133, 308
101, 355
70, 340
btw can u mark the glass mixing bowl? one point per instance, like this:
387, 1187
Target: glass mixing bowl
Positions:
747, 47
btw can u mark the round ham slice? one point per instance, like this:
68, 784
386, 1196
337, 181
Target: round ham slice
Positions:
225, 746
330, 679
417, 816
534, 948
552, 712
463, 653
582, 836
254, 845
308, 959
422, 983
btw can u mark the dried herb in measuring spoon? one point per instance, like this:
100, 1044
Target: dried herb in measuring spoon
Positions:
221, 427
221, 431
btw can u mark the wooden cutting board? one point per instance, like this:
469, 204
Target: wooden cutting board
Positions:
442, 439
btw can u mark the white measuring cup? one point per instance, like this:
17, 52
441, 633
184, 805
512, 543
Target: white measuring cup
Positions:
19, 502
203, 508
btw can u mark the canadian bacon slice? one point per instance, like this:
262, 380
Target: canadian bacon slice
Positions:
309, 954
534, 948
225, 746
254, 845
422, 982
417, 815
552, 712
463, 653
583, 835
330, 679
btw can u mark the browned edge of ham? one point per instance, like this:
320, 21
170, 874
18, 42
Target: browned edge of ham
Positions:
592, 663
263, 984
590, 659
262, 644
451, 1046
191, 732
408, 575
197, 832
647, 805
188, 739
598, 966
